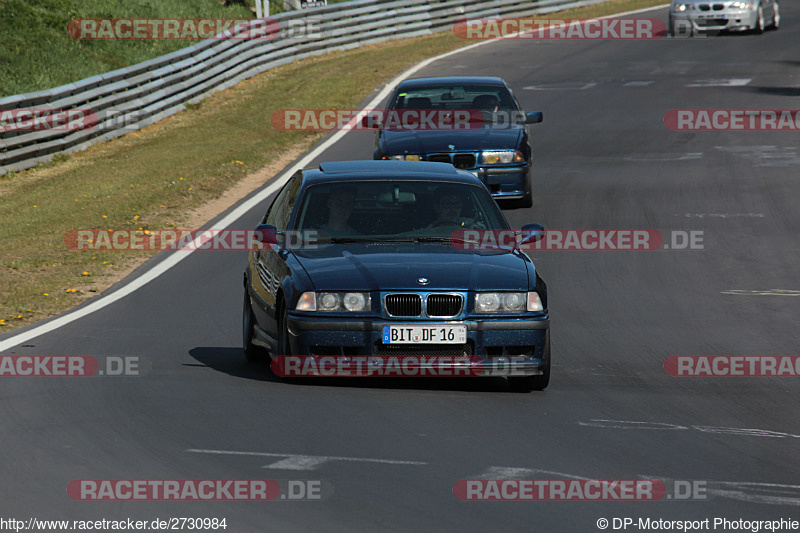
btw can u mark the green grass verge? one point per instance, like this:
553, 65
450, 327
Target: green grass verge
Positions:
150, 179
37, 53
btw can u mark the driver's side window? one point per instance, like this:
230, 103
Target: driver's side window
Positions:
281, 210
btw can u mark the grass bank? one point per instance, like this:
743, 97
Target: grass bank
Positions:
37, 53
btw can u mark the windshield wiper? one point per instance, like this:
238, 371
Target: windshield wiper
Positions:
432, 239
347, 240
446, 239
460, 240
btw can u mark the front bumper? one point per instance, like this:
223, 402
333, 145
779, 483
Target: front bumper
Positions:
505, 183
496, 346
733, 20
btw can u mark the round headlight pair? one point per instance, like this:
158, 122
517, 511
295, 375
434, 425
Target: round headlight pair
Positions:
334, 301
501, 157
406, 157
500, 302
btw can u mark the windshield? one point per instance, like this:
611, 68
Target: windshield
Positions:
395, 210
485, 98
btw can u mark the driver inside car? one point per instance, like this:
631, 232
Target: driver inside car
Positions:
340, 207
448, 207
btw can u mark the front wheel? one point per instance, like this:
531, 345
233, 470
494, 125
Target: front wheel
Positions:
776, 16
284, 348
540, 382
760, 21
526, 201
252, 352
682, 28
520, 203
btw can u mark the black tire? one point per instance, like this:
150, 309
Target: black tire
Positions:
284, 348
776, 16
520, 203
252, 353
759, 29
525, 202
531, 383
671, 29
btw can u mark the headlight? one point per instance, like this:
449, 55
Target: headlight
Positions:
742, 5
406, 157
499, 157
328, 301
681, 7
334, 301
488, 302
507, 302
355, 301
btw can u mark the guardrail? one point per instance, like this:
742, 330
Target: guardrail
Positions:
130, 98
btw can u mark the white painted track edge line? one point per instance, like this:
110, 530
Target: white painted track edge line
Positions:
325, 457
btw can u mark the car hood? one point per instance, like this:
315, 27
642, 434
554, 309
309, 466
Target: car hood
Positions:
490, 137
382, 266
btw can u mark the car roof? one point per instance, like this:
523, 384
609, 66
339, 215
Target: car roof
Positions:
452, 80
388, 169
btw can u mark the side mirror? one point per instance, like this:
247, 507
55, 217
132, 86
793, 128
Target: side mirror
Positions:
531, 233
370, 122
266, 234
534, 118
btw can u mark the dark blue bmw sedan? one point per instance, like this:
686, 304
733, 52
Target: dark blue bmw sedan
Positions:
373, 258
497, 151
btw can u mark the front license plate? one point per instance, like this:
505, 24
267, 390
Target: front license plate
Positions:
441, 334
